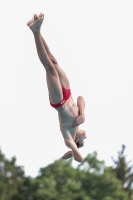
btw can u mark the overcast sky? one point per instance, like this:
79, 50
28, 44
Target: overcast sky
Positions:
93, 43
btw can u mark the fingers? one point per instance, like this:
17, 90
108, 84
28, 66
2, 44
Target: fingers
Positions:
74, 122
74, 125
77, 121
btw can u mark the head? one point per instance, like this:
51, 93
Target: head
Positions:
79, 139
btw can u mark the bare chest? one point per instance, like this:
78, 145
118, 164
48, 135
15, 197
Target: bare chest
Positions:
67, 113
66, 116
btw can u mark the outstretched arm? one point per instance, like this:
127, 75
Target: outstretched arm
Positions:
81, 118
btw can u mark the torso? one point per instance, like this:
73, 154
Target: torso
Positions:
67, 114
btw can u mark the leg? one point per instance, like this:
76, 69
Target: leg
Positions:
54, 87
53, 82
62, 76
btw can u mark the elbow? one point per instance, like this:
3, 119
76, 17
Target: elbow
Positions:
80, 97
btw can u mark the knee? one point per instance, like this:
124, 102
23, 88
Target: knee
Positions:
52, 70
56, 66
50, 67
53, 60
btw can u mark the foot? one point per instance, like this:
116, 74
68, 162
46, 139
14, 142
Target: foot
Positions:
36, 22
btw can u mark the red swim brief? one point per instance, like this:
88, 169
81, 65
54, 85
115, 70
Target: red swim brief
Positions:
66, 95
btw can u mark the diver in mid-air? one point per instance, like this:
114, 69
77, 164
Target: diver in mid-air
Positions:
70, 115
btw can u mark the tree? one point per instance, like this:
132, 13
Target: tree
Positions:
124, 171
91, 180
13, 184
61, 181
100, 181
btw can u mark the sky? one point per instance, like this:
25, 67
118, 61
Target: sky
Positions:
93, 43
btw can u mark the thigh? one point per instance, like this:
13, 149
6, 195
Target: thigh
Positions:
54, 86
62, 76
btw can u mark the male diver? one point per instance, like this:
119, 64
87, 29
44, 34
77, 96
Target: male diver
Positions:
70, 114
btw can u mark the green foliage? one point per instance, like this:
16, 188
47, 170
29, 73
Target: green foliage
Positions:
124, 172
102, 183
60, 181
92, 180
12, 180
93, 164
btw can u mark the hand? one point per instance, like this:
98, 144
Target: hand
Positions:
67, 155
79, 120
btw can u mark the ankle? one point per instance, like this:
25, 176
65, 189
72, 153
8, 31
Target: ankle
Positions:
36, 32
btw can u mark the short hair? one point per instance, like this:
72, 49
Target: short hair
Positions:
79, 145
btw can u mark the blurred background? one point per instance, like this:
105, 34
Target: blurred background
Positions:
93, 43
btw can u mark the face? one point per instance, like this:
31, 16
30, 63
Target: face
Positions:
82, 140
